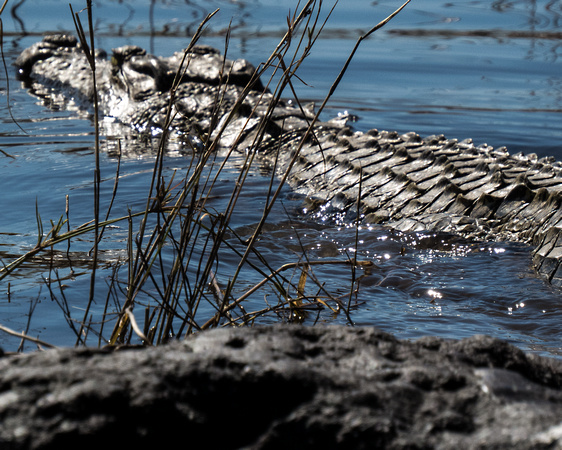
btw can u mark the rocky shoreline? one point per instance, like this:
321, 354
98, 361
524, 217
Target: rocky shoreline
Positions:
285, 386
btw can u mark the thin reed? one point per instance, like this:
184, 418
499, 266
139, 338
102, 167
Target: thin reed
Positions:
170, 285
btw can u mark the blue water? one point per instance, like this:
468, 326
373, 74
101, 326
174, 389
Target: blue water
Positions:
481, 70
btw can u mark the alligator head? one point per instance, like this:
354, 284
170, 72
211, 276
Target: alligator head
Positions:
134, 87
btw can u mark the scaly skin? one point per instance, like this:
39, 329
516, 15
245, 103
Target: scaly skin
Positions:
411, 184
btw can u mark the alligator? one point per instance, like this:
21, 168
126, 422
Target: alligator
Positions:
404, 181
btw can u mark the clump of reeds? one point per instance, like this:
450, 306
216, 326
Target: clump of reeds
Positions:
155, 297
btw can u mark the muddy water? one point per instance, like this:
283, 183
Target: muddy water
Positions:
488, 71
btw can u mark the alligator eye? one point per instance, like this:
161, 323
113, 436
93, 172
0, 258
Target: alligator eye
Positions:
114, 61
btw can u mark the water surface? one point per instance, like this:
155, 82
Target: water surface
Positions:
480, 70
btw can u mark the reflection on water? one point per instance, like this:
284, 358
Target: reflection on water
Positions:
466, 69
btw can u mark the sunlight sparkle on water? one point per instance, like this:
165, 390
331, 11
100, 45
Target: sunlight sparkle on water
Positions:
434, 294
520, 305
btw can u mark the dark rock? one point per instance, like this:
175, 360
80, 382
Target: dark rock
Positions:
284, 387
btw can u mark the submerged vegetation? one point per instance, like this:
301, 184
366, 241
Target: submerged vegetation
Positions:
170, 283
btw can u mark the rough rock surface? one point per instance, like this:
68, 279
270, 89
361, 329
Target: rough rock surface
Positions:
284, 387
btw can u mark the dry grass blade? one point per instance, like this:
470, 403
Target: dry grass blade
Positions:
89, 51
136, 328
26, 337
176, 245
7, 77
3, 6
213, 321
53, 238
287, 38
